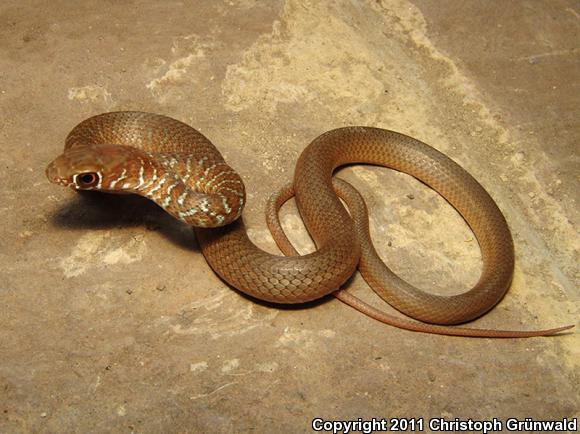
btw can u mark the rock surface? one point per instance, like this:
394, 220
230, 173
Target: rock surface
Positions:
112, 321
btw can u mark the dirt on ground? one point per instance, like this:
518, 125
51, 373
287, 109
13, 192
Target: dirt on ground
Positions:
111, 319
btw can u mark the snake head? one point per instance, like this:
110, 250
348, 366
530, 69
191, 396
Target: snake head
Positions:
97, 167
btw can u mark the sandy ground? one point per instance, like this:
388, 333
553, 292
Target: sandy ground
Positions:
111, 320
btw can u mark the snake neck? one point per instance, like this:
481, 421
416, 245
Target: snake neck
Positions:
202, 193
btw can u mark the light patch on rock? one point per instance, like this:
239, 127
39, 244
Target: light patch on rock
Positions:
121, 410
302, 338
91, 252
300, 69
230, 365
198, 367
267, 367
176, 72
90, 93
235, 317
180, 77
132, 251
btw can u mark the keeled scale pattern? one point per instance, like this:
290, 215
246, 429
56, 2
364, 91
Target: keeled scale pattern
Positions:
265, 276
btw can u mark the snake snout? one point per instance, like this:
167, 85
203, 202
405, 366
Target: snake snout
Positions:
53, 175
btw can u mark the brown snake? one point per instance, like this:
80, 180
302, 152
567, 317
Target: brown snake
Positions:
178, 168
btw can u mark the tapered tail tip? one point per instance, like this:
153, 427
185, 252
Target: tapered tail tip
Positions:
557, 330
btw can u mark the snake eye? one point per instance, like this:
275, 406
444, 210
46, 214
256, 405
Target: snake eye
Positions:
89, 179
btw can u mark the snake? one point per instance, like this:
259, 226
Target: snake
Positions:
177, 167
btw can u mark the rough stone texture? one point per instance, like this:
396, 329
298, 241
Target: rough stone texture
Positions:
111, 319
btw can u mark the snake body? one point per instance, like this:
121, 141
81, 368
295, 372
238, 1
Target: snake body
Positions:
178, 168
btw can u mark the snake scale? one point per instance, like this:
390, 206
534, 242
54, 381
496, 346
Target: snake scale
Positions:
178, 168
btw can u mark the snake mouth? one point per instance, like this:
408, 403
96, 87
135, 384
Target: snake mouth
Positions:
52, 174
54, 177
